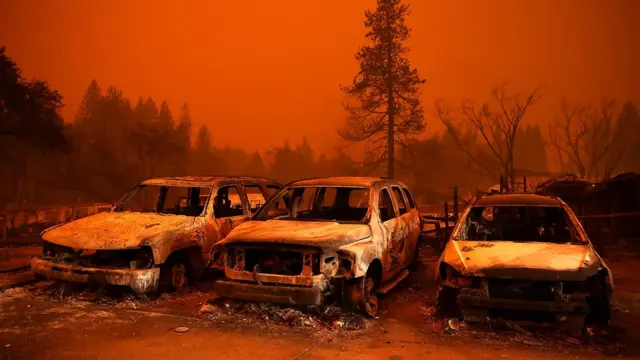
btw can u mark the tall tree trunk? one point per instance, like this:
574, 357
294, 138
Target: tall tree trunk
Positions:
391, 156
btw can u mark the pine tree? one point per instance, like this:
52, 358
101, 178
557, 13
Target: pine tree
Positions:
203, 141
284, 164
203, 162
185, 125
323, 166
386, 89
29, 120
145, 136
303, 157
183, 139
165, 118
256, 166
90, 101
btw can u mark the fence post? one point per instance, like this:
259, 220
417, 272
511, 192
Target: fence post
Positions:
455, 203
501, 183
524, 183
446, 214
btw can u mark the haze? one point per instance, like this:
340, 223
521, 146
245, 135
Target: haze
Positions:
259, 72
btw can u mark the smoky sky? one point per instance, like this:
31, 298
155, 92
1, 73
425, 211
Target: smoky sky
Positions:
258, 72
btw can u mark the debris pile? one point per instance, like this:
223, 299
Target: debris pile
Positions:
606, 341
79, 293
330, 318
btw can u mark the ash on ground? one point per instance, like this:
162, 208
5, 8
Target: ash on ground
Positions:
320, 319
119, 297
608, 341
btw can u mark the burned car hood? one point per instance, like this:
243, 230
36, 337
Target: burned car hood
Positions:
324, 235
523, 260
116, 230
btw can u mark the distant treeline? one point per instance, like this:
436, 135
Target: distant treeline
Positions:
114, 143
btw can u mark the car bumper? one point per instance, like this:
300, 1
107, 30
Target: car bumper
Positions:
559, 306
141, 281
296, 295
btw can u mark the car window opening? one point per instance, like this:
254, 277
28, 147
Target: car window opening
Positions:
162, 199
519, 223
317, 203
227, 202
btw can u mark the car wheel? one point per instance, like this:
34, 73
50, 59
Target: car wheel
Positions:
447, 301
361, 295
600, 311
173, 276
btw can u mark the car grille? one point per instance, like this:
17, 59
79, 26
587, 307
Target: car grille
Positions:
522, 289
280, 261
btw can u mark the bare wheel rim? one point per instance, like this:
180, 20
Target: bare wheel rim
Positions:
370, 298
178, 276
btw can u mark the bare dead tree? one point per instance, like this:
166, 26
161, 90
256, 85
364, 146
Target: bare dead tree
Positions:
587, 140
494, 123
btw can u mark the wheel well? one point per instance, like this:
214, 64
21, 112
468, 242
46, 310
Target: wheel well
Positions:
375, 270
192, 258
443, 270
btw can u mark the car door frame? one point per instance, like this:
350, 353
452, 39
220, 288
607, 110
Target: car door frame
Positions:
388, 228
263, 190
272, 184
409, 225
218, 228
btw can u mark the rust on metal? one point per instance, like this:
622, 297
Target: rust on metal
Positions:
522, 252
127, 243
141, 281
345, 242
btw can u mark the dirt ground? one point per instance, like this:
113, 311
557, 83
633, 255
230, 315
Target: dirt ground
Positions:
60, 321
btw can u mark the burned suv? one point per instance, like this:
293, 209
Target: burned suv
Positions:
158, 235
345, 238
526, 258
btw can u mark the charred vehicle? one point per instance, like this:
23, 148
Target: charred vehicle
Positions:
157, 236
324, 239
523, 257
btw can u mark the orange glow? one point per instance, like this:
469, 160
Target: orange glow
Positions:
275, 66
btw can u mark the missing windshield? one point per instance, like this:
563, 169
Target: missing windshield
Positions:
318, 203
175, 200
518, 223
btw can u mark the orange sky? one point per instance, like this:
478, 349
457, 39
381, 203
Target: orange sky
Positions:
260, 71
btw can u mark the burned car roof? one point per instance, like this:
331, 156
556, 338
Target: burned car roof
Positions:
200, 180
521, 199
344, 181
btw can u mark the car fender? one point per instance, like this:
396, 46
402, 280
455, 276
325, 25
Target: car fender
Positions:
363, 253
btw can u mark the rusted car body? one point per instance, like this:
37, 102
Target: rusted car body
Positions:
526, 258
159, 234
322, 239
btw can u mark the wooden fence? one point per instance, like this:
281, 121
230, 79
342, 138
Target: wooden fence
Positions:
14, 222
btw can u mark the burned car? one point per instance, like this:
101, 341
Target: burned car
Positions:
523, 257
324, 239
157, 237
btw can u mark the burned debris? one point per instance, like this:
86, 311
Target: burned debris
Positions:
319, 252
